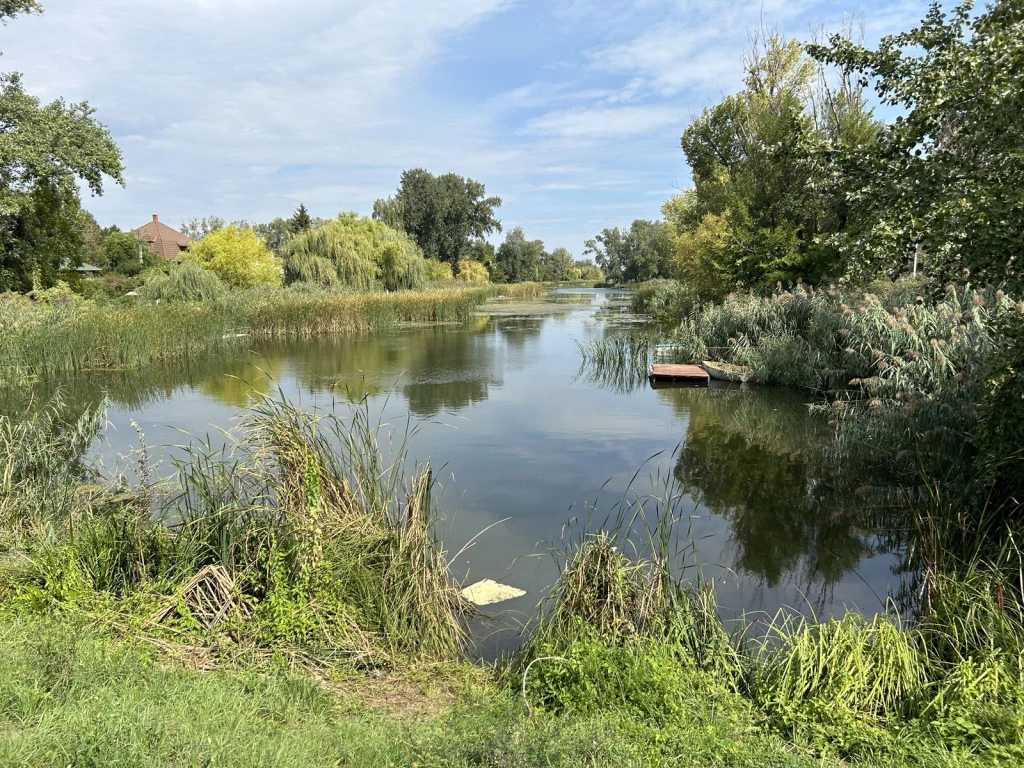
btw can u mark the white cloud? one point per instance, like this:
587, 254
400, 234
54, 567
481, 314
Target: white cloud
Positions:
605, 122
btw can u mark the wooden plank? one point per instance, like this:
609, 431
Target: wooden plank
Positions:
660, 372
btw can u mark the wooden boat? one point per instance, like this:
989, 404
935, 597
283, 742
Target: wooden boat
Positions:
659, 372
727, 371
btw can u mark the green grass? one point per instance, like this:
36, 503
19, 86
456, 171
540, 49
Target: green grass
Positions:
54, 338
74, 696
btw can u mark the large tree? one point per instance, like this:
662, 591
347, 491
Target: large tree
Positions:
443, 214
770, 169
44, 152
642, 252
948, 173
517, 259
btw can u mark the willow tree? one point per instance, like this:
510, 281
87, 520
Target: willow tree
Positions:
363, 252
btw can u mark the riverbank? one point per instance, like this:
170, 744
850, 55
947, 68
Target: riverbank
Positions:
297, 579
62, 334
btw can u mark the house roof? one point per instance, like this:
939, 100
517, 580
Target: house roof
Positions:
163, 240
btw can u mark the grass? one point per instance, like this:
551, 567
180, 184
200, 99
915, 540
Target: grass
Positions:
65, 335
273, 579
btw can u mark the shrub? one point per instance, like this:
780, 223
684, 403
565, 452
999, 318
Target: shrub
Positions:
185, 282
364, 253
238, 256
437, 271
471, 271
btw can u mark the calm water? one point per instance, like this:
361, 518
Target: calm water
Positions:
517, 434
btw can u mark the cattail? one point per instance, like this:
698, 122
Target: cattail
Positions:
978, 300
1019, 308
839, 405
875, 403
1000, 295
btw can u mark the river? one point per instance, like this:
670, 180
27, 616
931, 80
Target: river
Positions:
517, 434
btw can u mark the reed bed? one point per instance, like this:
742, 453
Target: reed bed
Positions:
53, 339
309, 535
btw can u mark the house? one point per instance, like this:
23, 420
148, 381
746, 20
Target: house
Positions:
163, 240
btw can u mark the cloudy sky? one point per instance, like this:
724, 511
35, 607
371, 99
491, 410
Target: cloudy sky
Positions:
570, 110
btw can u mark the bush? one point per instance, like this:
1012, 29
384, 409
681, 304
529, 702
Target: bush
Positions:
186, 282
365, 253
238, 256
663, 299
125, 255
471, 271
311, 270
437, 271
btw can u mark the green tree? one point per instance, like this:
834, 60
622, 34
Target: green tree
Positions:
45, 150
770, 164
123, 253
557, 265
947, 175
443, 214
275, 234
643, 252
518, 259
300, 220
364, 253
197, 229
237, 256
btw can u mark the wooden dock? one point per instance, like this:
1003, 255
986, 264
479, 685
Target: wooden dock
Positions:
659, 372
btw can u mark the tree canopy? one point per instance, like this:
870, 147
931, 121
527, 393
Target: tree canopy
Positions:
443, 214
44, 151
769, 168
517, 259
643, 252
948, 173
237, 256
357, 252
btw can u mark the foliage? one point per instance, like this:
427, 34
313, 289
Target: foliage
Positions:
310, 269
557, 266
584, 269
123, 253
944, 175
902, 376
185, 282
437, 271
300, 220
364, 253
643, 252
471, 271
518, 259
443, 214
197, 229
664, 300
46, 151
770, 171
1000, 462
237, 256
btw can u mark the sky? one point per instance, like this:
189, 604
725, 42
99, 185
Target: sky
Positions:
569, 110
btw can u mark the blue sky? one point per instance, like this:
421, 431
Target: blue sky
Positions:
570, 110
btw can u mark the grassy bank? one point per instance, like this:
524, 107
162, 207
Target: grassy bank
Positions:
299, 571
62, 334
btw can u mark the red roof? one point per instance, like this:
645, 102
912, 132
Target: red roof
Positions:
163, 240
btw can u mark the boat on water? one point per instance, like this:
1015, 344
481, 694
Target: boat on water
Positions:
722, 371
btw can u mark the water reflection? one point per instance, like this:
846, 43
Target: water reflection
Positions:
522, 437
758, 461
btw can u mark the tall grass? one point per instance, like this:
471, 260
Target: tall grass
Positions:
310, 532
52, 340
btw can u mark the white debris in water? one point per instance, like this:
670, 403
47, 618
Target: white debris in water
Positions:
488, 591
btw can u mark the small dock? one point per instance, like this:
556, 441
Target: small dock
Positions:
695, 373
